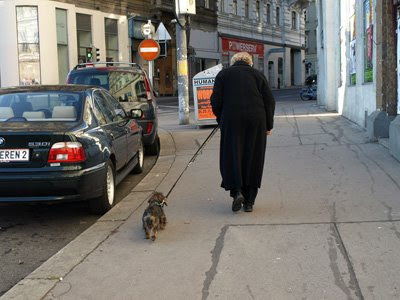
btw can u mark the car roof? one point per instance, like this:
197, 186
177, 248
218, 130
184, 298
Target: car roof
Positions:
43, 88
90, 69
103, 66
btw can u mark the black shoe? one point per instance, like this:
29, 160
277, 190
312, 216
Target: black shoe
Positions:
248, 207
237, 201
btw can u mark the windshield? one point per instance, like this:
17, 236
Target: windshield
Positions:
41, 106
123, 85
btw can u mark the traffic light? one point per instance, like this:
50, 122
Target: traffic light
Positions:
97, 54
89, 54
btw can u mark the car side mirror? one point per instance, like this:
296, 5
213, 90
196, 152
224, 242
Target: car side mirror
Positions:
136, 113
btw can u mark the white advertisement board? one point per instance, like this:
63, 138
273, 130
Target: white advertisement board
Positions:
203, 84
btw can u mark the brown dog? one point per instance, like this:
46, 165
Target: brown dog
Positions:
154, 217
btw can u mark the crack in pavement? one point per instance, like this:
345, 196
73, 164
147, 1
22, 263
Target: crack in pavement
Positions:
354, 285
216, 253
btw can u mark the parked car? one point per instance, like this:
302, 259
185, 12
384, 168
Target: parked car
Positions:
65, 143
129, 84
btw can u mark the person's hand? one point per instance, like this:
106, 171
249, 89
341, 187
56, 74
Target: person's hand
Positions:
269, 132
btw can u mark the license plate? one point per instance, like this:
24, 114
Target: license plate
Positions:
11, 155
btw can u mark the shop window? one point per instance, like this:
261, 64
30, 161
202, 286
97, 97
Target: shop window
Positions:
268, 13
294, 20
62, 44
368, 40
28, 45
261, 65
111, 35
278, 16
84, 34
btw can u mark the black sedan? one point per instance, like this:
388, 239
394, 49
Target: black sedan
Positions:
65, 143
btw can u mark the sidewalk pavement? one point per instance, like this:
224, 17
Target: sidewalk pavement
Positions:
325, 224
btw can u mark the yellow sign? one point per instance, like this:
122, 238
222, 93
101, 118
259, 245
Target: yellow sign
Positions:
182, 68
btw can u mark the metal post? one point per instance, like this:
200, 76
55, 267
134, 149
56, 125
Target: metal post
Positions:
151, 72
182, 71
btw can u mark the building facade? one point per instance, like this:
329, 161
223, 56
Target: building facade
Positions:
45, 39
358, 64
271, 30
50, 37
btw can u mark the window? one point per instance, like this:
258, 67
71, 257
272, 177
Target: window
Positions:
207, 3
222, 5
62, 44
258, 10
44, 105
100, 109
246, 8
278, 16
268, 13
111, 31
28, 45
261, 65
307, 33
368, 40
294, 20
116, 108
234, 7
305, 15
84, 33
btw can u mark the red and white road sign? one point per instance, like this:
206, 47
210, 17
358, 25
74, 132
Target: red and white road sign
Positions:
149, 49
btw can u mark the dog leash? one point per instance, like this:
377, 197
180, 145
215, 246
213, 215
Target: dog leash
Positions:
209, 137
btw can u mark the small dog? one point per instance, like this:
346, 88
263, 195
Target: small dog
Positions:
154, 217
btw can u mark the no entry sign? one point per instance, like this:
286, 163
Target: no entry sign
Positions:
149, 49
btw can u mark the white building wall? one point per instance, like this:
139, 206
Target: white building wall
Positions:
335, 91
9, 66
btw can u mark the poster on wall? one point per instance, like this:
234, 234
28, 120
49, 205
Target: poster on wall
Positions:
369, 35
398, 67
353, 47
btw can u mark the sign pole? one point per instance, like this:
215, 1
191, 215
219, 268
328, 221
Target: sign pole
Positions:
147, 31
182, 71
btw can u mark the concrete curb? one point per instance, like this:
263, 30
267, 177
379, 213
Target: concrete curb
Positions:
42, 280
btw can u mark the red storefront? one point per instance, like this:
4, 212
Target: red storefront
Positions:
230, 46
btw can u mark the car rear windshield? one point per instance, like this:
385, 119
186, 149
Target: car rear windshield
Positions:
123, 85
41, 106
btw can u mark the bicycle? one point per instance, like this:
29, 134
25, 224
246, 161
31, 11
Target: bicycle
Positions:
309, 93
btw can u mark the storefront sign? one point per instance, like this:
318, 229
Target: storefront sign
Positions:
203, 84
235, 45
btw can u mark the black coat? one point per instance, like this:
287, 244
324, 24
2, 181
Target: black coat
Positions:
244, 106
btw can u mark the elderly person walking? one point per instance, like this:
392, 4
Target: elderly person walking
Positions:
244, 106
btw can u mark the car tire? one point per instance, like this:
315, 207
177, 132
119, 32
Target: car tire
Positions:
106, 201
139, 167
154, 149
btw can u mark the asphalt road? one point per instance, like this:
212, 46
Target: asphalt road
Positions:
30, 234
170, 104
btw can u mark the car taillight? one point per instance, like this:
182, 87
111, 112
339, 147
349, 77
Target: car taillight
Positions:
149, 127
148, 89
66, 152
